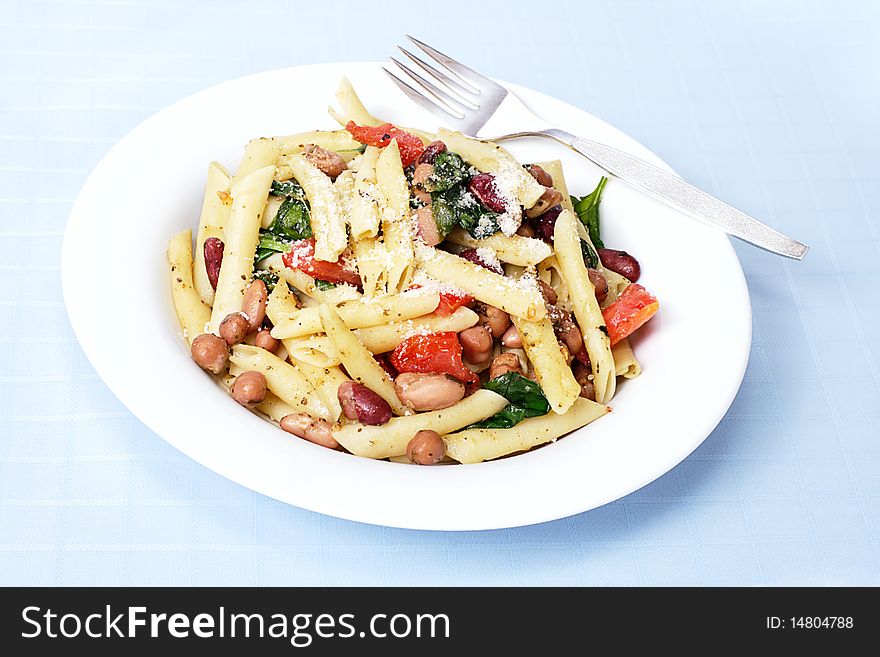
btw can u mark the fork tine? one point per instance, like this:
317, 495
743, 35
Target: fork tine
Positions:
467, 75
440, 76
422, 101
454, 102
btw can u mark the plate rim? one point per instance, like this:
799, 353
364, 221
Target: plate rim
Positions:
558, 511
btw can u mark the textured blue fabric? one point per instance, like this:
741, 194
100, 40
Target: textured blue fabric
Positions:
771, 105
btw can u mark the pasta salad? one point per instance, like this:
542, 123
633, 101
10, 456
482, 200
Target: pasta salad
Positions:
422, 298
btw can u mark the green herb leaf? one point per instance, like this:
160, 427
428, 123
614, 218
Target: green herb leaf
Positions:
293, 220
289, 188
591, 258
269, 244
587, 210
449, 170
268, 277
526, 400
324, 285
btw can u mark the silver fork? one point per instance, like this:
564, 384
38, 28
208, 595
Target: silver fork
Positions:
479, 107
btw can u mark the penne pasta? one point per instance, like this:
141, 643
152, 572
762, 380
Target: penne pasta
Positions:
396, 227
358, 361
242, 235
364, 214
339, 141
259, 153
391, 439
517, 297
625, 363
551, 369
384, 338
584, 305
476, 445
306, 284
516, 250
283, 379
328, 225
212, 220
192, 313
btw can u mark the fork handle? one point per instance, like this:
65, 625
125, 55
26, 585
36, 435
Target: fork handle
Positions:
674, 191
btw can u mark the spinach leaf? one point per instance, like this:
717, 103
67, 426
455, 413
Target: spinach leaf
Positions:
449, 170
591, 258
526, 400
289, 188
269, 244
587, 210
458, 207
293, 220
324, 285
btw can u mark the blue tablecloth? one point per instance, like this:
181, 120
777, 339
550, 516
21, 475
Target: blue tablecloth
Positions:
770, 104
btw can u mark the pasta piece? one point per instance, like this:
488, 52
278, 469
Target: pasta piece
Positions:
306, 284
274, 408
212, 221
584, 305
283, 379
551, 369
338, 141
364, 214
242, 235
259, 153
396, 225
476, 445
381, 339
510, 177
273, 204
371, 257
328, 224
192, 313
359, 363
616, 285
517, 297
516, 250
359, 313
316, 350
391, 439
625, 363
352, 107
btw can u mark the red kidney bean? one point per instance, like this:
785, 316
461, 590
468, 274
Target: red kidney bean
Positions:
620, 262
582, 374
547, 222
550, 198
548, 292
213, 250
472, 256
382, 359
540, 175
483, 187
431, 152
362, 404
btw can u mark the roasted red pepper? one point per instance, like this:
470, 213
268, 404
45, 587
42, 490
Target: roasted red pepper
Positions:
634, 307
438, 353
302, 256
411, 146
449, 301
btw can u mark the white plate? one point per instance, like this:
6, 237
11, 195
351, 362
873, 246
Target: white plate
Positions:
150, 185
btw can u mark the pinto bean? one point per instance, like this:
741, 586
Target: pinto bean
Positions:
547, 292
264, 340
583, 374
504, 363
249, 388
362, 404
213, 252
600, 285
566, 329
422, 173
423, 196
476, 344
210, 353
233, 328
539, 174
526, 229
494, 319
428, 392
431, 152
566, 354
331, 164
620, 262
483, 187
315, 431
511, 338
426, 448
426, 227
549, 199
253, 305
